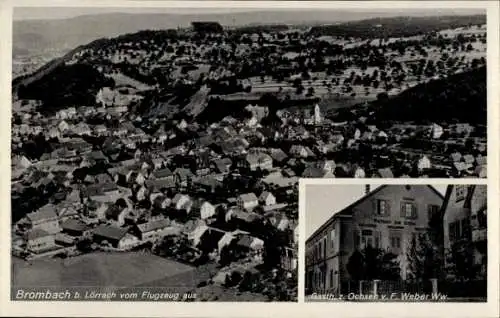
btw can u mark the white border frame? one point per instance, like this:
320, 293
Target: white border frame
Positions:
218, 309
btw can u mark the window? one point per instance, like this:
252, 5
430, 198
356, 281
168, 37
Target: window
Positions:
366, 238
332, 239
459, 192
395, 239
432, 209
382, 207
331, 278
377, 239
408, 210
414, 237
324, 246
465, 230
454, 230
320, 251
481, 219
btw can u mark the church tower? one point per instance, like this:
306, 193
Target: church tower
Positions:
317, 115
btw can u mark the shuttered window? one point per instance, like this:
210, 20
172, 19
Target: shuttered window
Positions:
408, 210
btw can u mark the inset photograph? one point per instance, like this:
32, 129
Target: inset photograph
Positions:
396, 242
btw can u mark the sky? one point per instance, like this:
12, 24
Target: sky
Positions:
36, 13
322, 201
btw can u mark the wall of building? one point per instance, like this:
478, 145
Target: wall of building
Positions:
348, 232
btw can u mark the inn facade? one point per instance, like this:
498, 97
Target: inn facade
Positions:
387, 217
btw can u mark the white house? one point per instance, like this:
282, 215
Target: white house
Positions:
267, 198
436, 131
182, 201
424, 163
225, 240
207, 210
247, 201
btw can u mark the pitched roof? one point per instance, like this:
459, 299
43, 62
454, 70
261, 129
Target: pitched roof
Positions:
247, 197
162, 173
110, 232
159, 184
183, 173
385, 173
46, 212
36, 233
153, 225
264, 195
347, 211
74, 225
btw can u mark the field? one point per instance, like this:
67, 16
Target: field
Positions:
96, 270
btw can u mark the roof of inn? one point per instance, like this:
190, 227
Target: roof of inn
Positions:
347, 211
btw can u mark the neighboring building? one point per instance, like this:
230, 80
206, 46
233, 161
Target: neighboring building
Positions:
259, 160
247, 201
44, 219
115, 236
464, 220
436, 131
424, 163
386, 218
38, 240
267, 198
152, 230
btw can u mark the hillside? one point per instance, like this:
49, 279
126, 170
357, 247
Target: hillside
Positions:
75, 84
71, 32
397, 26
461, 98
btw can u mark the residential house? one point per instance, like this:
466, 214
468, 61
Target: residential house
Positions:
383, 173
203, 209
44, 219
316, 172
388, 217
251, 246
182, 202
258, 160
161, 202
38, 241
222, 165
279, 156
116, 214
279, 221
300, 151
289, 259
117, 237
436, 131
267, 198
465, 220
67, 210
456, 156
104, 192
183, 177
75, 228
153, 230
247, 201
424, 163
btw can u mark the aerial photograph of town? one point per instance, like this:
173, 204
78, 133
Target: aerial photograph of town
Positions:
396, 242
156, 153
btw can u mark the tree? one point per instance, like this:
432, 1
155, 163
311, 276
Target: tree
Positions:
247, 282
460, 258
355, 266
226, 256
310, 91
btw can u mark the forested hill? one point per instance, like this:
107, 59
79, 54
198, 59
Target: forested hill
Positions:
460, 97
396, 26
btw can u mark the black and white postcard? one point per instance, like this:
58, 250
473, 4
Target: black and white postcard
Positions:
248, 158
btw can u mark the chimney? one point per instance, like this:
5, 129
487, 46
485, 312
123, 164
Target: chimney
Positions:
367, 189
